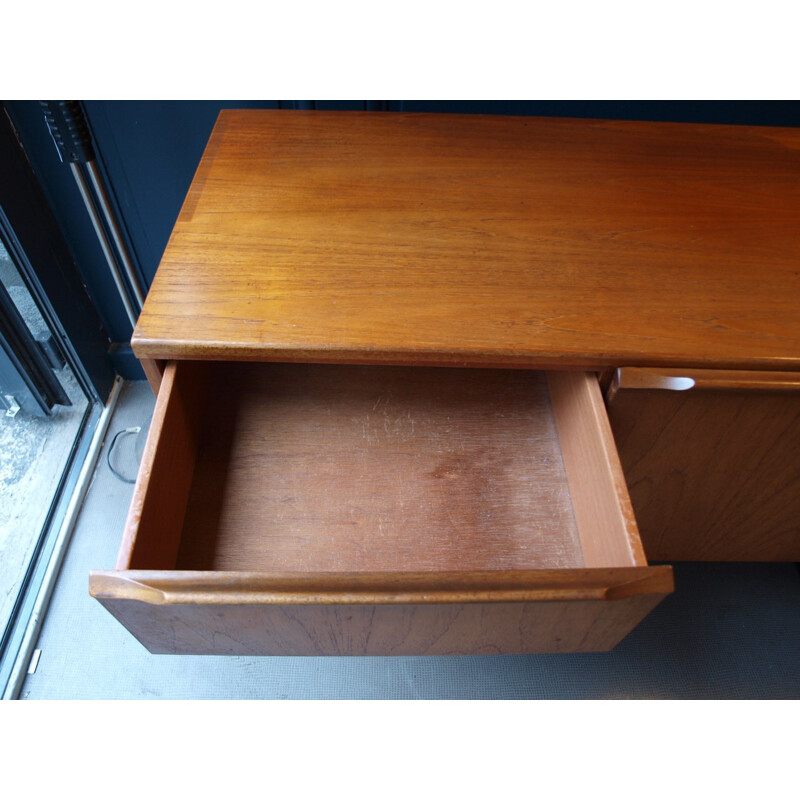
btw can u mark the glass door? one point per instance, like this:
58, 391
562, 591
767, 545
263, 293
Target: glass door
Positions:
43, 412
55, 376
28, 351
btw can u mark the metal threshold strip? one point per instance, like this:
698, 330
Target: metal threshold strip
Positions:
18, 649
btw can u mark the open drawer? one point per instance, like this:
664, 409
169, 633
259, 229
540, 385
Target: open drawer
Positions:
308, 509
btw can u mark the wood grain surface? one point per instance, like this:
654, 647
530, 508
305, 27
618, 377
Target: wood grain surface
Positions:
152, 529
483, 240
600, 500
240, 614
352, 510
720, 380
351, 468
154, 372
713, 471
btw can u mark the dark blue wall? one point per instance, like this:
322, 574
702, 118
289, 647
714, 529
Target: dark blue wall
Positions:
149, 150
723, 112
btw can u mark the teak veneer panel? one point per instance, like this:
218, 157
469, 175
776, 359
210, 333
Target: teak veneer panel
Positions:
558, 611
336, 468
713, 470
483, 240
165, 475
599, 494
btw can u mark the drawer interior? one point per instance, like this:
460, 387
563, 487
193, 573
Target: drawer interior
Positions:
312, 468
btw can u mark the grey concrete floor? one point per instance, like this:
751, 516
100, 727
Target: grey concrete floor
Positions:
34, 452
729, 631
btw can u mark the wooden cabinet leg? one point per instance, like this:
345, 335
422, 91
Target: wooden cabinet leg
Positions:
153, 371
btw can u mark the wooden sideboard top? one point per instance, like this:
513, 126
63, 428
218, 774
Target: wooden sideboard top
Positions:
484, 240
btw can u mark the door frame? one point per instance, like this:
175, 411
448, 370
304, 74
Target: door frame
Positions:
48, 268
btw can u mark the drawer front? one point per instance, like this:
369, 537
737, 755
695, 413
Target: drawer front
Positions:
711, 460
238, 614
379, 511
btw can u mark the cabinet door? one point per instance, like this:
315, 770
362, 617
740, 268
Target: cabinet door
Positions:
712, 461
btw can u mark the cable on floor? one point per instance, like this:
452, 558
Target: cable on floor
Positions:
110, 450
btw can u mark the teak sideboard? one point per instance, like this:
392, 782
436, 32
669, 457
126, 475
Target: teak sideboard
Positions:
418, 377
